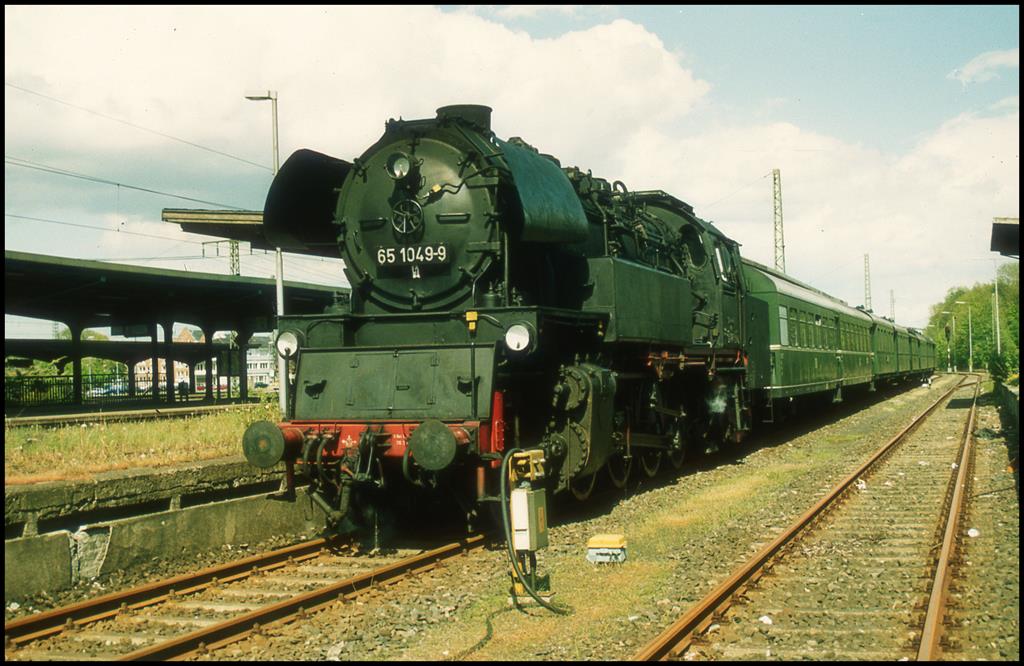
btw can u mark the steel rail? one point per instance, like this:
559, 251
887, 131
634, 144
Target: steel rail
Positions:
43, 625
677, 636
931, 635
140, 414
238, 627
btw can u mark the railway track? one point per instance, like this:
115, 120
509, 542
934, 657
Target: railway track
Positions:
214, 607
111, 416
869, 581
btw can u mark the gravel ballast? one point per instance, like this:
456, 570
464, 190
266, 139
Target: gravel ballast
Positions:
684, 536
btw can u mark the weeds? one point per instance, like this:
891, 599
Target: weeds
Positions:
33, 454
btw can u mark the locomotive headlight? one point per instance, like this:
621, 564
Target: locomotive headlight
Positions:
399, 166
520, 338
288, 343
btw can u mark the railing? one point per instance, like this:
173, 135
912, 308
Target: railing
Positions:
38, 391
22, 392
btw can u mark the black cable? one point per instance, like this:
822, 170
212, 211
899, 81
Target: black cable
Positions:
488, 635
130, 124
26, 164
105, 229
508, 537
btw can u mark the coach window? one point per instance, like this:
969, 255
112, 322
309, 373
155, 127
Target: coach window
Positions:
783, 326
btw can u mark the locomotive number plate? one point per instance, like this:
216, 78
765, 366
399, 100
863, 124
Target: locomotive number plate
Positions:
413, 254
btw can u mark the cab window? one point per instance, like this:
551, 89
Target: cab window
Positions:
721, 268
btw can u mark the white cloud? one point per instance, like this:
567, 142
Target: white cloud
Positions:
985, 66
339, 73
516, 13
611, 98
532, 11
924, 217
1007, 103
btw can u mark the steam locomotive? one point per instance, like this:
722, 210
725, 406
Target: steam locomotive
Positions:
499, 300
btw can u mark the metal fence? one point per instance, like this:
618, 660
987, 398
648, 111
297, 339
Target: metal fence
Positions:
40, 391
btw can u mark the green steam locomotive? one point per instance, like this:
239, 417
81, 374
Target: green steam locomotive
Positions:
499, 300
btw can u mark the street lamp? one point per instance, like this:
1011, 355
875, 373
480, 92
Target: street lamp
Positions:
970, 336
995, 308
948, 368
282, 363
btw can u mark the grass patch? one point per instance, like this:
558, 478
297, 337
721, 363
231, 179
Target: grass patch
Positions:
598, 595
34, 453
608, 601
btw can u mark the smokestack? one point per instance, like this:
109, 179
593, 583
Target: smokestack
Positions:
476, 114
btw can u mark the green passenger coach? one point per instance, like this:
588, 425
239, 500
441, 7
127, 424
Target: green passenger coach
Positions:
812, 342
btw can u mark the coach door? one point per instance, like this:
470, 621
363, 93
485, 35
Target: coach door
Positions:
837, 344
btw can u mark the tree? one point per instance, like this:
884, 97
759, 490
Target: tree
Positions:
977, 313
997, 368
90, 365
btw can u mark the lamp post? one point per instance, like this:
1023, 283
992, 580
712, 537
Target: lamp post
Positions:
995, 308
282, 364
970, 337
948, 368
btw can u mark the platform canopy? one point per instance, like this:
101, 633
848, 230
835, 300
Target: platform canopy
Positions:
1006, 236
100, 294
239, 225
133, 300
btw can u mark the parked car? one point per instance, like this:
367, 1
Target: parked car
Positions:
106, 391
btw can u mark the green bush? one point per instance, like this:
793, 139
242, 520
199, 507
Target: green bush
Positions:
997, 367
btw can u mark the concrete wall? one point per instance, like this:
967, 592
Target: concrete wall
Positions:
1009, 400
64, 533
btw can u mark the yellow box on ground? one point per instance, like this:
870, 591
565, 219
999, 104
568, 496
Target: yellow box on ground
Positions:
606, 548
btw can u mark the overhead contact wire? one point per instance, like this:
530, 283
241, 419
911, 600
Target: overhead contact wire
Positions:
140, 127
27, 164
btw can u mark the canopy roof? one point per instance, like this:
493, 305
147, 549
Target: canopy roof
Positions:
94, 293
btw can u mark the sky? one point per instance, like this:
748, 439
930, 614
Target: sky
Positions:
895, 129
